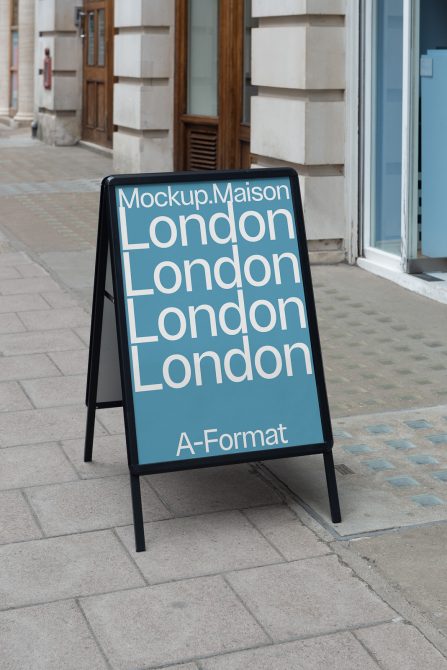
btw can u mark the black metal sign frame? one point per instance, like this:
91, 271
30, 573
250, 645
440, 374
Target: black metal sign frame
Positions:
108, 242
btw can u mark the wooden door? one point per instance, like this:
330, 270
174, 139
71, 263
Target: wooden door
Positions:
97, 112
211, 126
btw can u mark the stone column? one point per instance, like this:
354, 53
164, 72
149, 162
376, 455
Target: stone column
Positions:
144, 93
4, 57
58, 109
26, 62
298, 116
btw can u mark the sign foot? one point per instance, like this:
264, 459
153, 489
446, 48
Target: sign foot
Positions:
332, 487
89, 432
140, 543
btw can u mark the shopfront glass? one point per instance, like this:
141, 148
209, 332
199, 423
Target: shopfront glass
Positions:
405, 145
431, 240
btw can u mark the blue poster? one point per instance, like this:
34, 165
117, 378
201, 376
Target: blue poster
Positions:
220, 352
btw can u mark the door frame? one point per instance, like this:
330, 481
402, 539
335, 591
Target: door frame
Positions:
410, 133
413, 264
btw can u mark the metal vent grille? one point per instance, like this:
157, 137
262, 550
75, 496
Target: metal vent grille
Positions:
201, 148
343, 469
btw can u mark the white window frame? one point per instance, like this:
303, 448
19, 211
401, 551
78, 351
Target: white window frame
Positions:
410, 196
410, 96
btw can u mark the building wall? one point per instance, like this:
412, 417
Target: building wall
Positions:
58, 110
298, 116
144, 93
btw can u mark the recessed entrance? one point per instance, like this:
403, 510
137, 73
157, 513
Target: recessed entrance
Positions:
213, 84
405, 198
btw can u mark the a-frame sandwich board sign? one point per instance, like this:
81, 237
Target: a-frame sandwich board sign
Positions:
204, 326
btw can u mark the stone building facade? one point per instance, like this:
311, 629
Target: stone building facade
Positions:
329, 87
298, 113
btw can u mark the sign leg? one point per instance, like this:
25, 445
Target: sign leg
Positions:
95, 331
89, 432
140, 543
332, 486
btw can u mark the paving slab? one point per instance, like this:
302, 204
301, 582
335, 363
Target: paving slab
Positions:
32, 270
27, 367
9, 272
400, 645
10, 323
112, 420
199, 545
286, 533
74, 268
31, 161
213, 489
43, 425
64, 567
170, 623
84, 334
306, 478
414, 560
46, 222
60, 299
16, 520
48, 637
71, 362
19, 303
308, 597
67, 317
32, 465
390, 472
51, 392
338, 652
91, 504
109, 456
28, 285
14, 258
377, 348
12, 397
37, 342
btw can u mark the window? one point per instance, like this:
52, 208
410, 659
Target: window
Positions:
14, 56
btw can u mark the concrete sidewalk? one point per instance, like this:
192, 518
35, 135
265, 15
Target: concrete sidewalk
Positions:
243, 567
